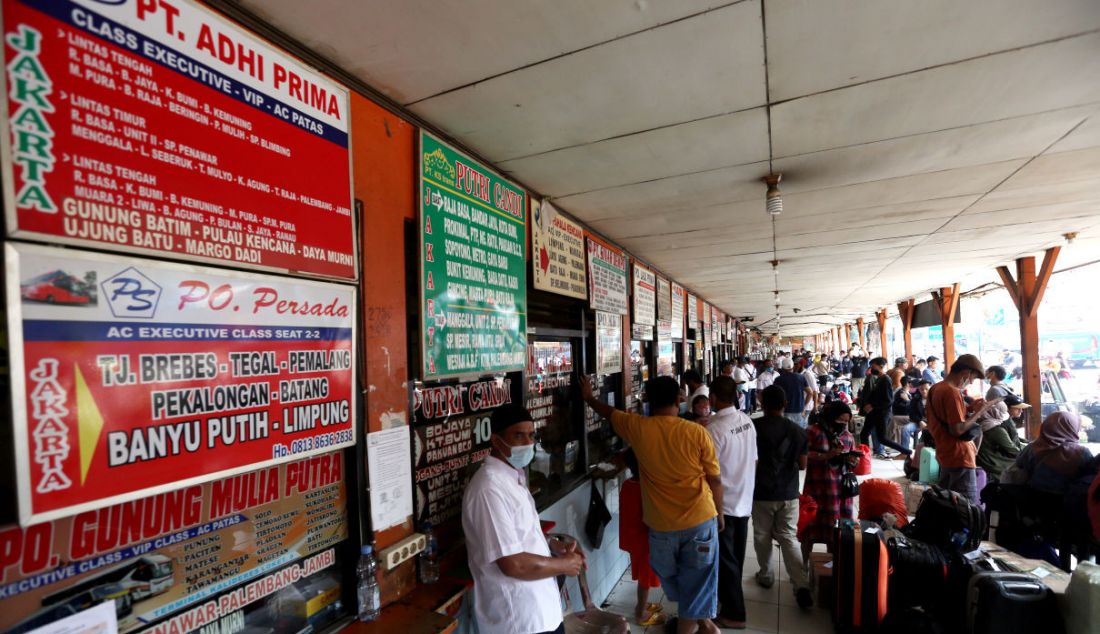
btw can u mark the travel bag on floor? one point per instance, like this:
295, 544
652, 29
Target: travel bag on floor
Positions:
911, 621
864, 466
1003, 602
877, 497
929, 466
1083, 599
918, 573
861, 570
948, 520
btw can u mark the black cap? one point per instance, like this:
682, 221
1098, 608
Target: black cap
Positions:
878, 361
507, 415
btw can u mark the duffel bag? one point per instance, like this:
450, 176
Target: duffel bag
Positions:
877, 497
948, 520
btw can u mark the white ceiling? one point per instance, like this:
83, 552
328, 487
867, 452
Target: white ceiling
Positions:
921, 143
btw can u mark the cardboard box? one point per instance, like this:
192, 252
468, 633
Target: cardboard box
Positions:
914, 491
821, 579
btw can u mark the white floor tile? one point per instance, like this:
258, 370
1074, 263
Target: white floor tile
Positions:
762, 616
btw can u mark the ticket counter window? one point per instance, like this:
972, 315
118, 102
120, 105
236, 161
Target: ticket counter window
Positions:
551, 398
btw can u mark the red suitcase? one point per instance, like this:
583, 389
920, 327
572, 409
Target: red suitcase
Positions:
861, 567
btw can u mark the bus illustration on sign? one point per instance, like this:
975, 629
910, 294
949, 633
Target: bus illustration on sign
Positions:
59, 287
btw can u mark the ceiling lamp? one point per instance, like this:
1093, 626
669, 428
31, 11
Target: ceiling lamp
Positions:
774, 198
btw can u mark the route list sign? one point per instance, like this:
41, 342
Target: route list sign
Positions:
607, 289
473, 274
163, 128
133, 377
557, 252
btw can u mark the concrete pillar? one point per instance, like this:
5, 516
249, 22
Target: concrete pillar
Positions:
1027, 293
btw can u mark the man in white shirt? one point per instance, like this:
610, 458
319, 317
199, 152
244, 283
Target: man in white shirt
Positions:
734, 439
515, 591
741, 378
750, 385
764, 379
695, 386
811, 382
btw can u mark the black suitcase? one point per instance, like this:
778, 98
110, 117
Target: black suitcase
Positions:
917, 573
861, 569
1000, 602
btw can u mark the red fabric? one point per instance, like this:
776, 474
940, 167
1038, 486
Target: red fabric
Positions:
878, 497
864, 466
634, 534
807, 512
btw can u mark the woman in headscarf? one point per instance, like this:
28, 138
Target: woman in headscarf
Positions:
828, 442
998, 450
1057, 458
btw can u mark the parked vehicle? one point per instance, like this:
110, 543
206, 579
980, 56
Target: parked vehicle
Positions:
1054, 400
57, 287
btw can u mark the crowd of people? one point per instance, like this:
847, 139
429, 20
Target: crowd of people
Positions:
703, 465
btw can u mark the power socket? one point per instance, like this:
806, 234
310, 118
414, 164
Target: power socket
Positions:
403, 551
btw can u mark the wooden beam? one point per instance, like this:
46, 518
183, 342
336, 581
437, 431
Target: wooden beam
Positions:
862, 343
1010, 285
905, 312
881, 317
1049, 258
947, 299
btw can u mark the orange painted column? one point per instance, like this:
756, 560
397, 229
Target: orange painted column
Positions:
881, 317
862, 343
384, 169
947, 299
905, 313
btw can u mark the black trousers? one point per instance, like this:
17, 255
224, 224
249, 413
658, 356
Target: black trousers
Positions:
877, 424
731, 563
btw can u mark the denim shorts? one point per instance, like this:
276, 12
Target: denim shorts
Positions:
687, 563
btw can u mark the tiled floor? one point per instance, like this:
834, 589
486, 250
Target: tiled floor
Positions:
769, 610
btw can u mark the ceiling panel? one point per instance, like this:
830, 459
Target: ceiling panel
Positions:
1011, 84
622, 87
398, 46
733, 139
815, 46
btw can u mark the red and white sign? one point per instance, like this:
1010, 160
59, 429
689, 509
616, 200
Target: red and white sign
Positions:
131, 377
163, 128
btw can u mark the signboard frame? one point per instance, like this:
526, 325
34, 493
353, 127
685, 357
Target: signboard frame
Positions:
7, 169
521, 310
677, 318
544, 209
644, 285
20, 415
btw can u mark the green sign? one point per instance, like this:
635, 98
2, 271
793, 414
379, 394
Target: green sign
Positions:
473, 282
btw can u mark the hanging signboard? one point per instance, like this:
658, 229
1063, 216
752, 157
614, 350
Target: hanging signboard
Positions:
716, 325
473, 280
641, 332
677, 311
449, 442
645, 296
164, 128
664, 299
666, 356
708, 325
693, 313
606, 278
557, 252
173, 551
609, 343
132, 377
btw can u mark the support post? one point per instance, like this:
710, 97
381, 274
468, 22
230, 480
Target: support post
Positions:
947, 300
1027, 293
862, 343
881, 316
847, 337
905, 312
839, 343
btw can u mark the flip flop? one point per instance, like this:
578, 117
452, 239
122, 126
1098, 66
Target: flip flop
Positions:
654, 618
654, 607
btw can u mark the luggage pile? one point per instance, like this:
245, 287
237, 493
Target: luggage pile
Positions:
931, 577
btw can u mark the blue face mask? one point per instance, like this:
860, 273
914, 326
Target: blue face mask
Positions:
522, 456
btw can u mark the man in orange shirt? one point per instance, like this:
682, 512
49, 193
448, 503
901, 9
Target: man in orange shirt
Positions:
681, 495
953, 430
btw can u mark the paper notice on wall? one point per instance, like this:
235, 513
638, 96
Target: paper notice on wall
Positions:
389, 466
98, 620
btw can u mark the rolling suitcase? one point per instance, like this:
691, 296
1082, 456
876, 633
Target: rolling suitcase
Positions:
1000, 602
1083, 599
916, 569
861, 569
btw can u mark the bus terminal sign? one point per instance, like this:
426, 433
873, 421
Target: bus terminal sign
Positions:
132, 377
473, 283
163, 128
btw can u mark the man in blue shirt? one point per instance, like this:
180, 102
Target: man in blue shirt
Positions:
797, 390
932, 372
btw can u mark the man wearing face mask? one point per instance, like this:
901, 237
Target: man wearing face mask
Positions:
953, 430
514, 572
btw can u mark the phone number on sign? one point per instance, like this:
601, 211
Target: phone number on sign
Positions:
303, 445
